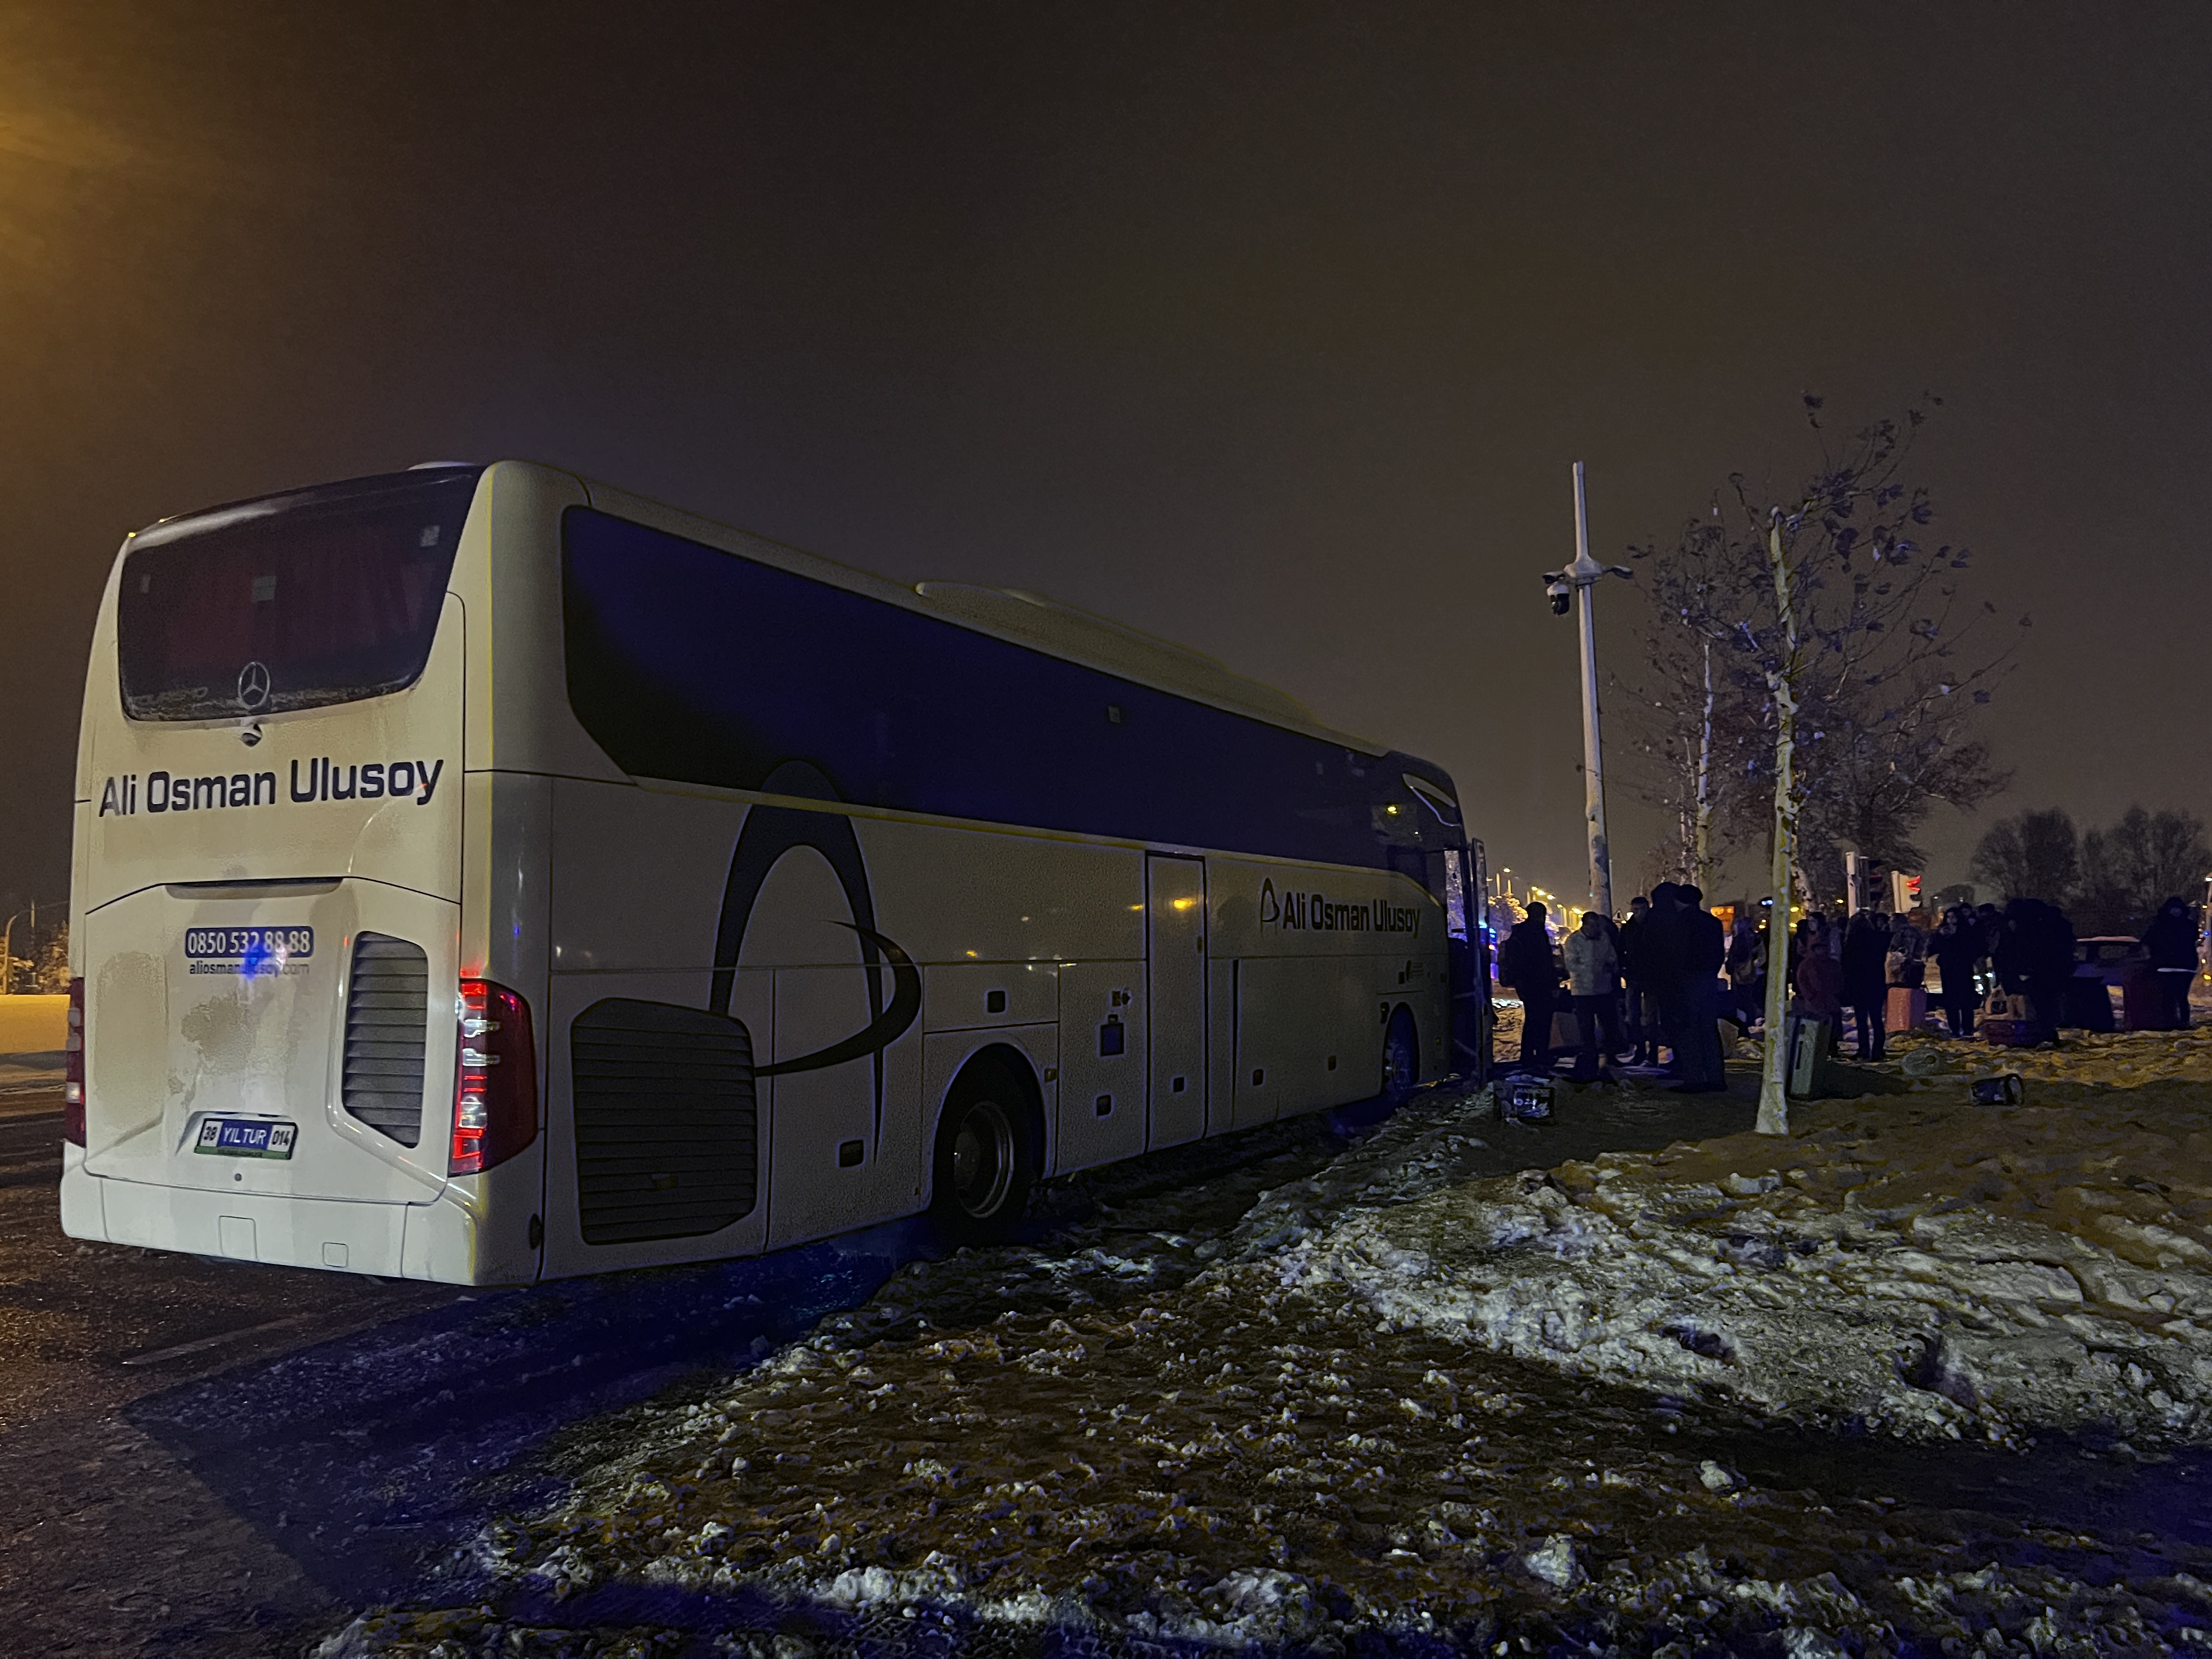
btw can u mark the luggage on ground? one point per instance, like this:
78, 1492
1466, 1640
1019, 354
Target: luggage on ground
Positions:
2009, 1022
1808, 1054
2143, 1004
1908, 1008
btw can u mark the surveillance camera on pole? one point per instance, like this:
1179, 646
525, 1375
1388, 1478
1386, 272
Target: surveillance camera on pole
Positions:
1560, 587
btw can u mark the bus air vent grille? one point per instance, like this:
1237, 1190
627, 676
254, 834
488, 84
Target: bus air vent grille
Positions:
667, 1132
387, 1019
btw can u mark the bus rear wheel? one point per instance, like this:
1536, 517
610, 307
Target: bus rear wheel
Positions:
985, 1161
1402, 1056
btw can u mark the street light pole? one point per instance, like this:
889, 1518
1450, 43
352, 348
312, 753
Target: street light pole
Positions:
1577, 580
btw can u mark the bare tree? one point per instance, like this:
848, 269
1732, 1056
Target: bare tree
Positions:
1851, 675
2034, 855
1698, 723
2128, 870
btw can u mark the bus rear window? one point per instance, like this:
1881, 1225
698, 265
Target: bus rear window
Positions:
299, 601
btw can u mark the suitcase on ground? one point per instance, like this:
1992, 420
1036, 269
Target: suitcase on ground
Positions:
2007, 1022
2016, 1029
2143, 1001
1808, 1055
1908, 1008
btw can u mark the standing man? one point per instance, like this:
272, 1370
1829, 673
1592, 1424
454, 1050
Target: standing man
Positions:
1642, 1020
1866, 980
1662, 973
1957, 949
1525, 963
1593, 977
1747, 971
2171, 939
2050, 968
1700, 951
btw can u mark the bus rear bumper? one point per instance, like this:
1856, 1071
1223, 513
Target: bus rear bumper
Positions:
434, 1241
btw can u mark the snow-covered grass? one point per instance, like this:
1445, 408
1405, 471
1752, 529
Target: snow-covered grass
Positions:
1704, 1394
1907, 1265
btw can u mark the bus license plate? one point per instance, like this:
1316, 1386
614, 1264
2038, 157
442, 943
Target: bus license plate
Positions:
242, 1137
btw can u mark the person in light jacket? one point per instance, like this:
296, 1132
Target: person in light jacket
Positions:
1593, 980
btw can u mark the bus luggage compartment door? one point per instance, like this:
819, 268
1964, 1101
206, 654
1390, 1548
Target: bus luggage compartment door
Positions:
1174, 977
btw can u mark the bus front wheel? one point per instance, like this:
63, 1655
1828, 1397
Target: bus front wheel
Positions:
984, 1164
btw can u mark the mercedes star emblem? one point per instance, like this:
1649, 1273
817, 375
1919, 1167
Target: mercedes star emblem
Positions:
253, 686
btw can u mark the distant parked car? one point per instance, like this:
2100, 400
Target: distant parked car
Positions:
2108, 957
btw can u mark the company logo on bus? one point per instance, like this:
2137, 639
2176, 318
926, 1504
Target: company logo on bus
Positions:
322, 778
253, 687
1316, 912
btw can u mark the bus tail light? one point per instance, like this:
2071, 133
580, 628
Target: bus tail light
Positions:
495, 1093
73, 1068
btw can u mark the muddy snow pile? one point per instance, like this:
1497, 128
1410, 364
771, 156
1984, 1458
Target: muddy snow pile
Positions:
1236, 1462
1912, 1264
1397, 1390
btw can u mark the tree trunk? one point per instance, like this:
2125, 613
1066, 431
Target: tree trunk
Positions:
1701, 849
1774, 1071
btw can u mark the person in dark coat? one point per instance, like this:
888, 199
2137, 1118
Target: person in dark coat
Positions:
1747, 970
1866, 980
1643, 1021
1525, 963
2008, 950
1656, 958
1700, 950
1991, 920
2034, 958
1611, 930
1817, 978
1957, 948
1908, 954
2051, 969
2171, 939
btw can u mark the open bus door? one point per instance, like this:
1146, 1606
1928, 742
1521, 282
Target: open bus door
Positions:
1467, 917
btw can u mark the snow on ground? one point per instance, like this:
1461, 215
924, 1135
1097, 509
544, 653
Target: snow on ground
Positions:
1736, 1389
1910, 1263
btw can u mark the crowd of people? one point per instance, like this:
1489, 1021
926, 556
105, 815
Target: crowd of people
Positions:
1649, 983
1651, 991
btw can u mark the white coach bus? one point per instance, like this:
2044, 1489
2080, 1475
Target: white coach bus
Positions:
484, 875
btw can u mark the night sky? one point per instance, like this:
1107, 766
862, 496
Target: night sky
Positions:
1271, 328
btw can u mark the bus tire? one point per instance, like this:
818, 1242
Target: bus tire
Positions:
1402, 1056
986, 1156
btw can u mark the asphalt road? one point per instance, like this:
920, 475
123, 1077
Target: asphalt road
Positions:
113, 1544
205, 1458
